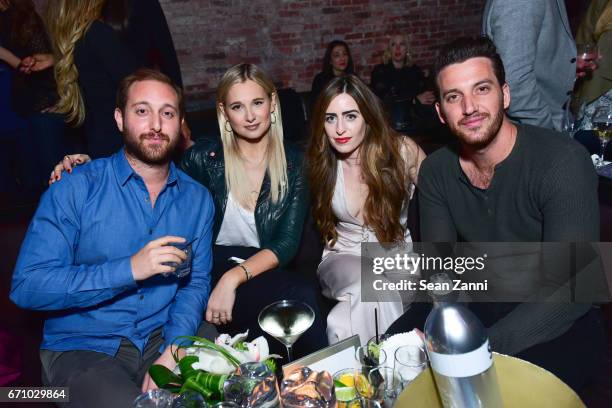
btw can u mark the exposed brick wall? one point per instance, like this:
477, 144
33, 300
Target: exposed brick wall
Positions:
288, 38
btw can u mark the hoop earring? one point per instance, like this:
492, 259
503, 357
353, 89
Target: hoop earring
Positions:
273, 117
230, 130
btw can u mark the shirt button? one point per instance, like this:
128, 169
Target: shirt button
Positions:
573, 60
141, 297
490, 211
147, 199
150, 232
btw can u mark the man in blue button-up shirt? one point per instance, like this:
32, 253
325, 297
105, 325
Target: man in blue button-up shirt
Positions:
96, 254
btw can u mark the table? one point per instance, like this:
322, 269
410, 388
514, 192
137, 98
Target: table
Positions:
521, 384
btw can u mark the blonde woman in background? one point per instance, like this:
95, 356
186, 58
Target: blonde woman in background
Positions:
596, 27
261, 201
90, 63
401, 84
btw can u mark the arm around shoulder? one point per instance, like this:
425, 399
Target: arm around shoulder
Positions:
193, 161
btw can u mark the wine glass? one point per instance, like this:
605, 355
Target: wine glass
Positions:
286, 320
602, 125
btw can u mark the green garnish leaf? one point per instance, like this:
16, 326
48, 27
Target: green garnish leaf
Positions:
164, 377
271, 363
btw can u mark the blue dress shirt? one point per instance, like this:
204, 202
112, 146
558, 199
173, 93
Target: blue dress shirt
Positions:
75, 259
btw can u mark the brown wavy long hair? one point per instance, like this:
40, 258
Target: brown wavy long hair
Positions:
384, 169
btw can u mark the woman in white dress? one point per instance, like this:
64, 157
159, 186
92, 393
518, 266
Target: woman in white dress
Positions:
361, 175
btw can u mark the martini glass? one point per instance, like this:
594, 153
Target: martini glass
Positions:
286, 320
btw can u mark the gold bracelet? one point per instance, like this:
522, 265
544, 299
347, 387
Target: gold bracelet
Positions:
248, 273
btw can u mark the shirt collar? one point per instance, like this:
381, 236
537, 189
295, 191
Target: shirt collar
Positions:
124, 171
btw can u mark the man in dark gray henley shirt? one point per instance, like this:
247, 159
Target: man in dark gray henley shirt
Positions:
503, 182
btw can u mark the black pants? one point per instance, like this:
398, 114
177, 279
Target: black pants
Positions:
575, 356
266, 288
98, 380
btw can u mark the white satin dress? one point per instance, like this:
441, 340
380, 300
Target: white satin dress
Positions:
340, 276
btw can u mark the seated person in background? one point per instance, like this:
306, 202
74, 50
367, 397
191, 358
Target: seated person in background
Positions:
261, 200
401, 85
494, 185
98, 245
337, 61
361, 176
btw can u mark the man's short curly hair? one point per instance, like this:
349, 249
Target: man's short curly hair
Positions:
464, 48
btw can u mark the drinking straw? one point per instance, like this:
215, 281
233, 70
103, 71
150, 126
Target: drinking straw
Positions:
376, 323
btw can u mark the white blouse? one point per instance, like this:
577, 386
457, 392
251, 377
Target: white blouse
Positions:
238, 226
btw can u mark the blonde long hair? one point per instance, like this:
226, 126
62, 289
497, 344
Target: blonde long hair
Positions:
235, 173
68, 21
604, 23
388, 53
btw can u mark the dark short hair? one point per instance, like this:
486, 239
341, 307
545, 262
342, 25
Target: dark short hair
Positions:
465, 48
146, 74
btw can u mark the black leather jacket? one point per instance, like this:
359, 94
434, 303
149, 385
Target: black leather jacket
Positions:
279, 225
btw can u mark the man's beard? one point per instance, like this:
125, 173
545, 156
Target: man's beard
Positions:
150, 154
486, 134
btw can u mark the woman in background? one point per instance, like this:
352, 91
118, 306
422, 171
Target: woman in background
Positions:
361, 174
337, 61
401, 85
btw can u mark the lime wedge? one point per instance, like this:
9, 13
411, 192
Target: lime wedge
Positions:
345, 394
374, 350
339, 384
